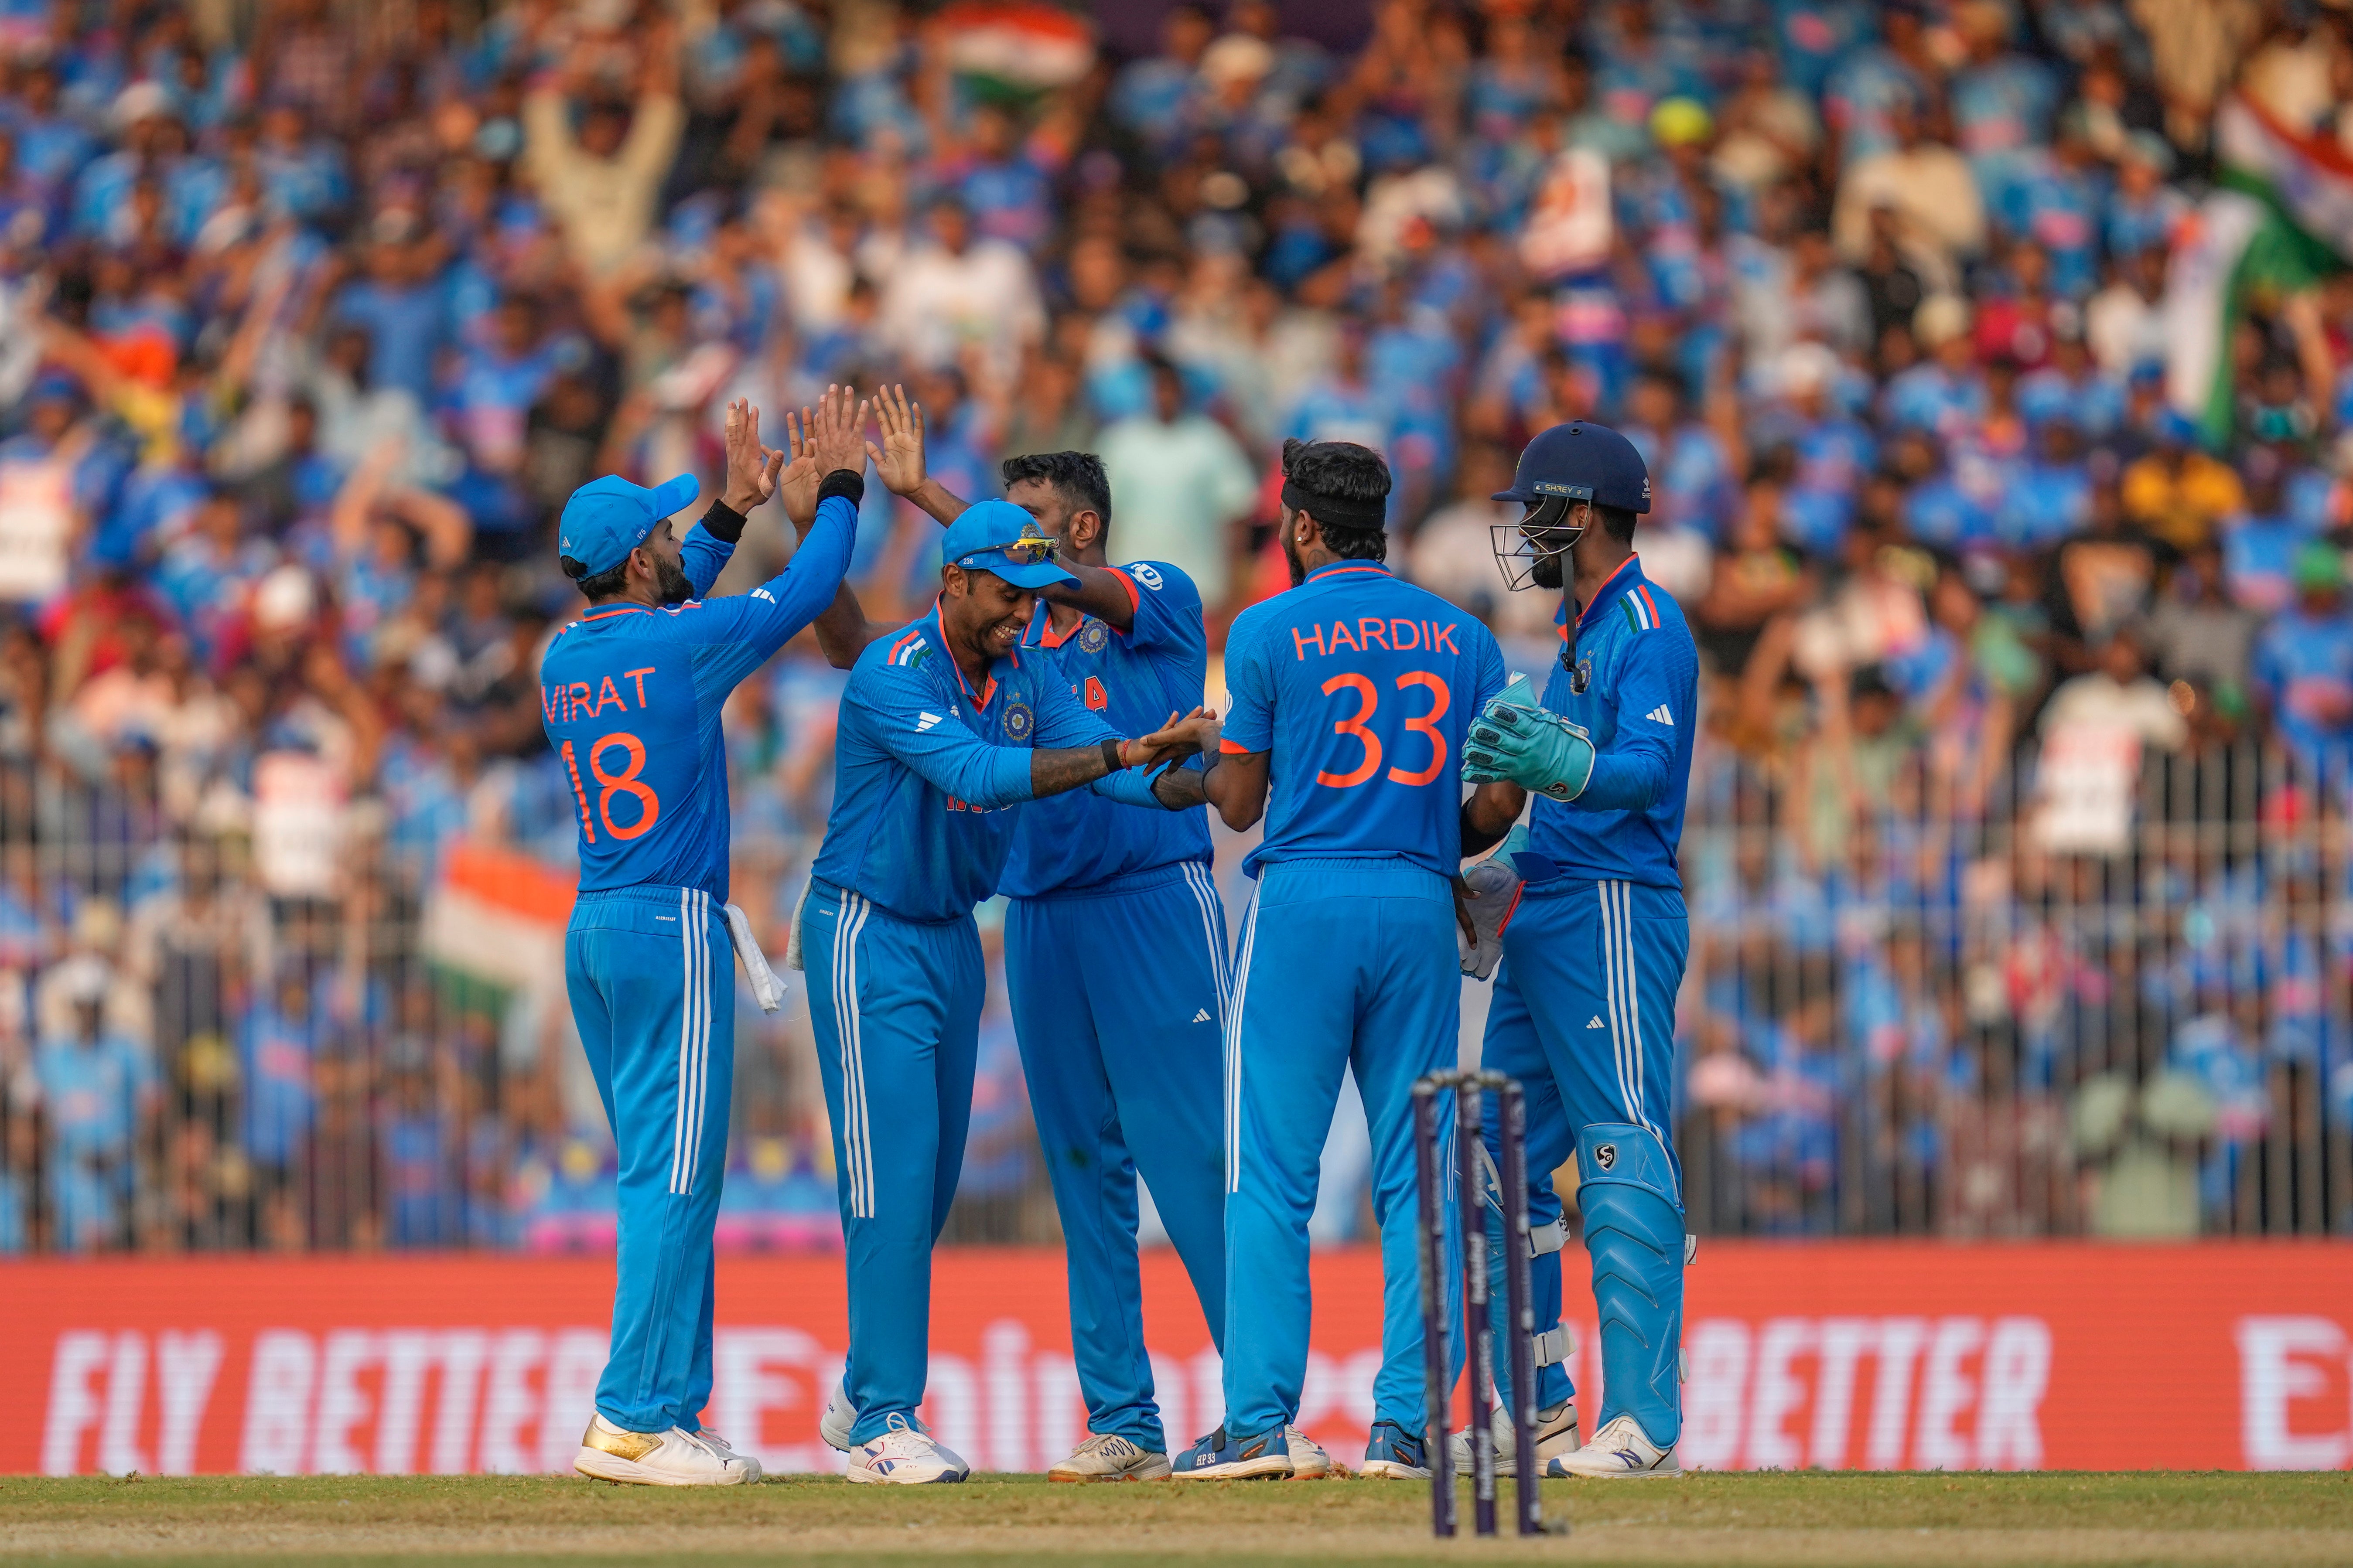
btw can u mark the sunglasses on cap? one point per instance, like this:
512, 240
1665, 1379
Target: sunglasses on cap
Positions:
1028, 551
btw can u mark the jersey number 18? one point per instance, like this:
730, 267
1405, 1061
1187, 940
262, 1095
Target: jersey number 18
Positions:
626, 781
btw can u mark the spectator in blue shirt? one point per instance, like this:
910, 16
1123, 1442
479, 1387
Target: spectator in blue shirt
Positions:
2303, 665
100, 1096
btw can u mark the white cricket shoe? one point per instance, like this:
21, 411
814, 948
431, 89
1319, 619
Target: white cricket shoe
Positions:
726, 1450
673, 1458
840, 1417
905, 1457
1105, 1457
1309, 1461
1555, 1435
1619, 1449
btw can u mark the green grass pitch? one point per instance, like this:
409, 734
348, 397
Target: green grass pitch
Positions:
1998, 1521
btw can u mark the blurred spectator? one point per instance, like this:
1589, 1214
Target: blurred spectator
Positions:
1180, 486
97, 1094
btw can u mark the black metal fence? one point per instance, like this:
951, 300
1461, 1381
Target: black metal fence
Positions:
2082, 992
2090, 991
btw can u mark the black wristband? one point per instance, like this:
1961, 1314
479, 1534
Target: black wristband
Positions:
1111, 763
848, 483
723, 521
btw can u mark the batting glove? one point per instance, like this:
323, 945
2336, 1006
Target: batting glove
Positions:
1491, 893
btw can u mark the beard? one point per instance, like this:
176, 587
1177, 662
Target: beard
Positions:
1546, 571
1291, 556
671, 579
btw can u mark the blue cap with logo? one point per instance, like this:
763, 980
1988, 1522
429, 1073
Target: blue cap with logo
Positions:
607, 517
997, 537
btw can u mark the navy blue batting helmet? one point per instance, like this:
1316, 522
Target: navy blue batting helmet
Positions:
1582, 461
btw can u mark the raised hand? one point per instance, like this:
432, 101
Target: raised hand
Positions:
751, 468
900, 459
836, 432
798, 484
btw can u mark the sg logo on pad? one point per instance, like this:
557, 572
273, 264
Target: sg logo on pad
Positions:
1606, 1156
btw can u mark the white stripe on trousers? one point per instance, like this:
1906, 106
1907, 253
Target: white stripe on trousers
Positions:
857, 1143
1622, 993
693, 1037
1213, 926
1233, 1095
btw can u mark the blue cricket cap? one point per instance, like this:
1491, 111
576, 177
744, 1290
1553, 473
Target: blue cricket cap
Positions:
997, 537
607, 517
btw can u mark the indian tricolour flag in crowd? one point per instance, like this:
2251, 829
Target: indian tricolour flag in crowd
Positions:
2280, 219
499, 915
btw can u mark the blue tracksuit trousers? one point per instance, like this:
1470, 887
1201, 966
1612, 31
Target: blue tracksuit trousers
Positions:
896, 1005
651, 977
1119, 999
1584, 1017
1344, 963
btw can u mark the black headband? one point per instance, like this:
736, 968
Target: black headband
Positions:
1333, 510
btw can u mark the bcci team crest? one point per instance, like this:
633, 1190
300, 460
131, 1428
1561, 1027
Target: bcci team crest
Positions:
1093, 635
1581, 675
1018, 721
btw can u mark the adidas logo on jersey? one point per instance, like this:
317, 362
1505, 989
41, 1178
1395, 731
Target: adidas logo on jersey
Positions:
924, 721
1597, 1022
1202, 1016
1660, 715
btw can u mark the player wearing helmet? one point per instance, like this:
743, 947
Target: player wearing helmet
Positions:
1583, 1013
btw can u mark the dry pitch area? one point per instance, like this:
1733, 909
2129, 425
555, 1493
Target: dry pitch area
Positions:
2207, 1518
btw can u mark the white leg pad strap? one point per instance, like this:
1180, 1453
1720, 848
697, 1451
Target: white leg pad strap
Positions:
1553, 1345
1544, 1238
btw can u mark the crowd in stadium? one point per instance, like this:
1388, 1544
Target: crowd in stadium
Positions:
308, 327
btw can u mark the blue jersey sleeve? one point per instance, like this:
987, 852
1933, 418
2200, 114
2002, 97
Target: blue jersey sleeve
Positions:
1249, 719
703, 556
737, 634
902, 713
1061, 721
1167, 608
1654, 697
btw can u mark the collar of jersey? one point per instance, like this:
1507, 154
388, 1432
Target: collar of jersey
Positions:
930, 626
605, 612
1626, 579
1042, 623
1337, 567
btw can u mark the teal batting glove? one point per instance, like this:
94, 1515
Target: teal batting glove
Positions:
1534, 748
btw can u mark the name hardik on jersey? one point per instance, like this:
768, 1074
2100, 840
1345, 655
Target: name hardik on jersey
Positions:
1361, 687
631, 699
927, 771
1632, 677
1134, 680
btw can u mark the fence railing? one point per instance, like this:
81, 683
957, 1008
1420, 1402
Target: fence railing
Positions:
2091, 992
2086, 992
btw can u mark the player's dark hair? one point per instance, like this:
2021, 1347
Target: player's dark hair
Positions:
612, 579
1077, 477
1617, 523
1346, 472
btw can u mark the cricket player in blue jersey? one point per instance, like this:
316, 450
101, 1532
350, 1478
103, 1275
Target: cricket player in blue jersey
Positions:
1115, 951
1352, 694
631, 695
1584, 1010
947, 724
